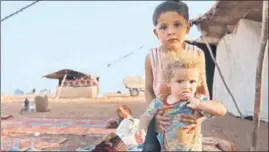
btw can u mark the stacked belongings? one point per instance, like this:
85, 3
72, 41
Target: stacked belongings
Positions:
110, 143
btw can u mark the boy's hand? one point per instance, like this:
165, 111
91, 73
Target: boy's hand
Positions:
139, 137
193, 103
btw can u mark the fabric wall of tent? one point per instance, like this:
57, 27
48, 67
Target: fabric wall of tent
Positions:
75, 84
234, 27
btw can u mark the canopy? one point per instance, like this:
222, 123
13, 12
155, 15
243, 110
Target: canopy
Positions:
61, 73
223, 17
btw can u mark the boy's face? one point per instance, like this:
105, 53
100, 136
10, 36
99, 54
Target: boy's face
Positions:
171, 29
184, 82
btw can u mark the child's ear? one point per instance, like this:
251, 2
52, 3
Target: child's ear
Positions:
155, 33
188, 28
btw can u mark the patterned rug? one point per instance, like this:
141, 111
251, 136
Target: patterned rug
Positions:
75, 127
24, 143
17, 134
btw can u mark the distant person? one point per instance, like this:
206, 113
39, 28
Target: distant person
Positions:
123, 112
127, 127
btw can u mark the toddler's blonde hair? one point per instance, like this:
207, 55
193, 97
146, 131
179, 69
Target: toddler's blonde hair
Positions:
186, 60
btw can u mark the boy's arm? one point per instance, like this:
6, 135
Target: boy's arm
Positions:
149, 93
148, 115
211, 108
203, 88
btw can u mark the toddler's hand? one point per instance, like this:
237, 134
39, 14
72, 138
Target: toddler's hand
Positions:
184, 96
193, 103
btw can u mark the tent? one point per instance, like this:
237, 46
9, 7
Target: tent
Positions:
234, 27
73, 84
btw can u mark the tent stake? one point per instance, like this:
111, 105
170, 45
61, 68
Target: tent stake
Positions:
259, 77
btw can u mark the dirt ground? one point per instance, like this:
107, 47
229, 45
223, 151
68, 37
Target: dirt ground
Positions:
228, 127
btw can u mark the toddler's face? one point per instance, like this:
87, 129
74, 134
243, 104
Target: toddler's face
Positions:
171, 29
184, 82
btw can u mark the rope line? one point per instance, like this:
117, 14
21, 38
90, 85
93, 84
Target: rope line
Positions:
123, 57
19, 11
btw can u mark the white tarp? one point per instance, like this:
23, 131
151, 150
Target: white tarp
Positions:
238, 64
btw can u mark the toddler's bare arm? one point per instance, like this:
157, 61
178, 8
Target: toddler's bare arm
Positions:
212, 107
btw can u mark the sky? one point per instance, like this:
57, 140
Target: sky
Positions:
82, 35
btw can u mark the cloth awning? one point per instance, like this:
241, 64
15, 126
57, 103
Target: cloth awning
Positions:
61, 73
223, 17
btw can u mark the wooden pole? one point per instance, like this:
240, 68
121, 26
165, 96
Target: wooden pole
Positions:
60, 89
259, 77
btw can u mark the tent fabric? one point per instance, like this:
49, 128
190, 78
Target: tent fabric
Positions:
223, 17
61, 73
237, 56
78, 92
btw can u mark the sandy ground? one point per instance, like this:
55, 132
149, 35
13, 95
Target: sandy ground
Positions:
228, 127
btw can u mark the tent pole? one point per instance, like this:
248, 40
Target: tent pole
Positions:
259, 77
60, 89
218, 68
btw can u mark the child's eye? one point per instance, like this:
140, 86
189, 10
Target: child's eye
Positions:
177, 25
179, 81
192, 81
163, 27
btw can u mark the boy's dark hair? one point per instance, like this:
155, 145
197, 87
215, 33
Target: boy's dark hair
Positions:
171, 5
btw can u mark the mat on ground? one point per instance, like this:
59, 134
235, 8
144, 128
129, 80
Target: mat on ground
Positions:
24, 143
75, 127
